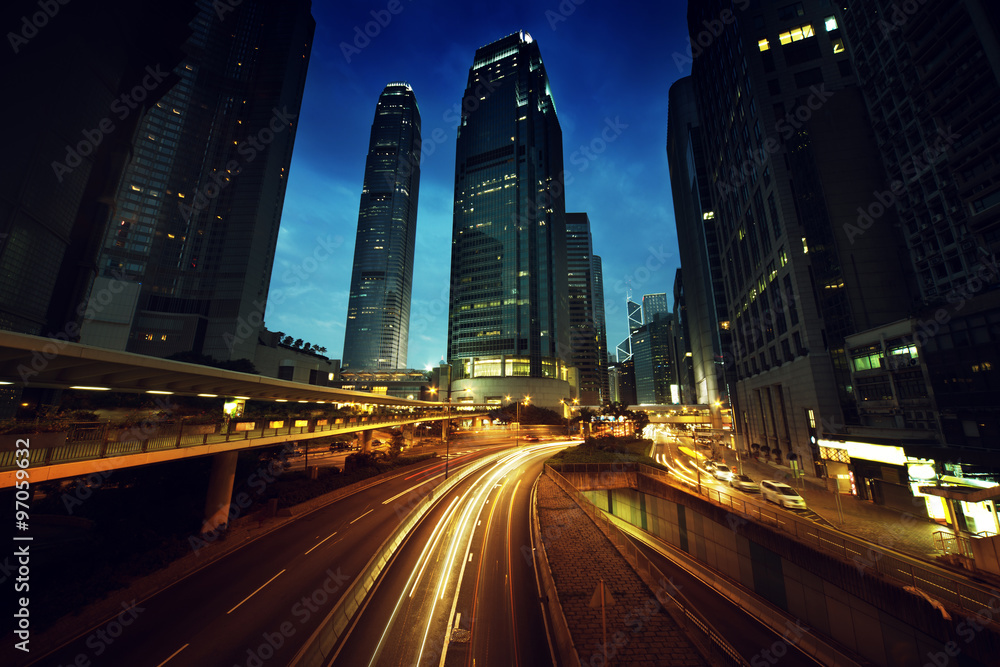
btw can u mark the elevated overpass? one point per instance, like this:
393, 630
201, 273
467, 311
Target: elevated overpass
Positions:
32, 362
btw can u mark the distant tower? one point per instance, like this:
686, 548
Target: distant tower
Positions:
378, 311
508, 321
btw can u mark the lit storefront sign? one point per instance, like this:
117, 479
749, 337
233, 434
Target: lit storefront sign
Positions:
868, 451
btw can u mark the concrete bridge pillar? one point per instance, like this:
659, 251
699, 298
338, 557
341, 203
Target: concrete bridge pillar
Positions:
444, 429
220, 491
408, 431
365, 439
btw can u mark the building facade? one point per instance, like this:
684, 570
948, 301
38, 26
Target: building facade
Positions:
192, 235
378, 309
706, 314
597, 271
790, 159
584, 327
508, 319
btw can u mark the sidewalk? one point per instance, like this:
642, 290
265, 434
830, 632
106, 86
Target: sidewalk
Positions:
639, 632
886, 526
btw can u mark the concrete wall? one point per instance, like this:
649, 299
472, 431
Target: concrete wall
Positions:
880, 621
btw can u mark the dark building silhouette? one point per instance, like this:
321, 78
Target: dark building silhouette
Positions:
76, 87
597, 271
791, 158
190, 240
378, 310
508, 320
585, 336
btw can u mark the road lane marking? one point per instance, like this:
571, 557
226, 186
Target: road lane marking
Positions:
321, 542
365, 514
416, 486
172, 655
255, 592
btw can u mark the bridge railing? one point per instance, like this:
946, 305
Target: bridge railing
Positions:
892, 566
97, 440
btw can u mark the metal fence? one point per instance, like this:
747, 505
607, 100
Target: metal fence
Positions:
94, 440
891, 565
700, 629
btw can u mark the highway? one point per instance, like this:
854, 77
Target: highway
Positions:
257, 605
461, 590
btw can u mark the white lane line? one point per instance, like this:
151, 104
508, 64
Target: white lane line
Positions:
415, 486
365, 514
255, 592
172, 655
321, 542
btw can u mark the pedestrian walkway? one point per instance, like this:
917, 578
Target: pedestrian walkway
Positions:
905, 531
639, 632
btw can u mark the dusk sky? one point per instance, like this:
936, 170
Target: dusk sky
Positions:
610, 69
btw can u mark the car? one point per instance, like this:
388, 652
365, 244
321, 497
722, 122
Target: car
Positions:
782, 494
530, 438
744, 483
722, 472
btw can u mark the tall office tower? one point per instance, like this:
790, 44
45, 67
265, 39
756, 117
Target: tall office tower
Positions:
191, 239
68, 139
508, 312
584, 332
936, 141
597, 271
653, 304
931, 80
653, 356
378, 311
791, 158
706, 319
683, 364
83, 85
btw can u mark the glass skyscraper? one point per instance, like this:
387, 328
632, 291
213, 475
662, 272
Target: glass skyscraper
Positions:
378, 311
189, 245
508, 315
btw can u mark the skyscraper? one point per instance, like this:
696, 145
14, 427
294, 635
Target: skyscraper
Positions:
602, 330
792, 157
584, 333
508, 331
653, 304
706, 317
378, 311
191, 239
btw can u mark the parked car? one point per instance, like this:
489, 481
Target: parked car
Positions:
722, 472
782, 494
744, 483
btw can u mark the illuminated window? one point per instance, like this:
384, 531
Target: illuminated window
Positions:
838, 46
831, 23
782, 256
763, 44
796, 34
708, 215
805, 248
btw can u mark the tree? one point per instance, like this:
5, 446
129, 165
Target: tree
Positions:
307, 347
320, 349
298, 343
287, 340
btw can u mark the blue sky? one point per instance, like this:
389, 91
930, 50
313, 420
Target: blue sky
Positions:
609, 67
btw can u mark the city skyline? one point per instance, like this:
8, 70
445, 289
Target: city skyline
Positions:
608, 156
